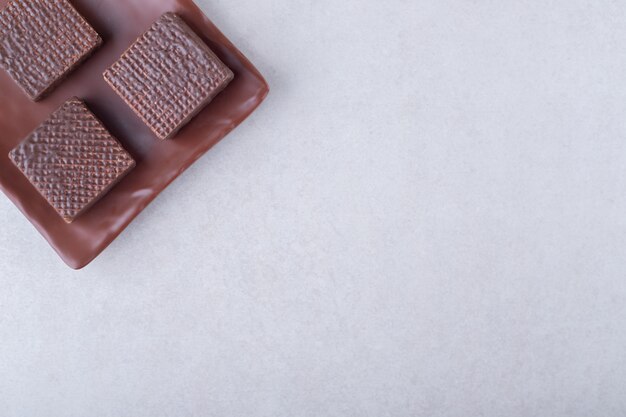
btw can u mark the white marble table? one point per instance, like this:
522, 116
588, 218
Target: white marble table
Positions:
426, 218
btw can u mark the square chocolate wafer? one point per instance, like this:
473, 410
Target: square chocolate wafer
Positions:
42, 41
168, 75
72, 160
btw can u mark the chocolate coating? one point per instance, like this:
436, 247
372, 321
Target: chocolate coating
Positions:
72, 160
120, 22
42, 41
168, 75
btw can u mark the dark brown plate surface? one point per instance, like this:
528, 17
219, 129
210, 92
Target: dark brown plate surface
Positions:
120, 22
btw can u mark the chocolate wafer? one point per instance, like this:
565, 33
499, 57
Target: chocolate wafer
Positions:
72, 160
168, 75
42, 41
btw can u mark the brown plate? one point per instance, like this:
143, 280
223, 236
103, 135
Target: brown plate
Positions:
120, 22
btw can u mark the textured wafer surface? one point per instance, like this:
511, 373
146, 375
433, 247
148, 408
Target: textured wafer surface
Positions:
72, 159
41, 41
168, 75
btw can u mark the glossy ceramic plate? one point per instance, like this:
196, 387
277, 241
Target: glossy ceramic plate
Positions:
120, 22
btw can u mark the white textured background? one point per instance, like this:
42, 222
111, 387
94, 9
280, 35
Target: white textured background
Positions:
426, 218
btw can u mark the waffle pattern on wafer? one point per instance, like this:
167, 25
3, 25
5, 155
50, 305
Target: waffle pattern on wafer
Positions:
41, 41
168, 75
71, 159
